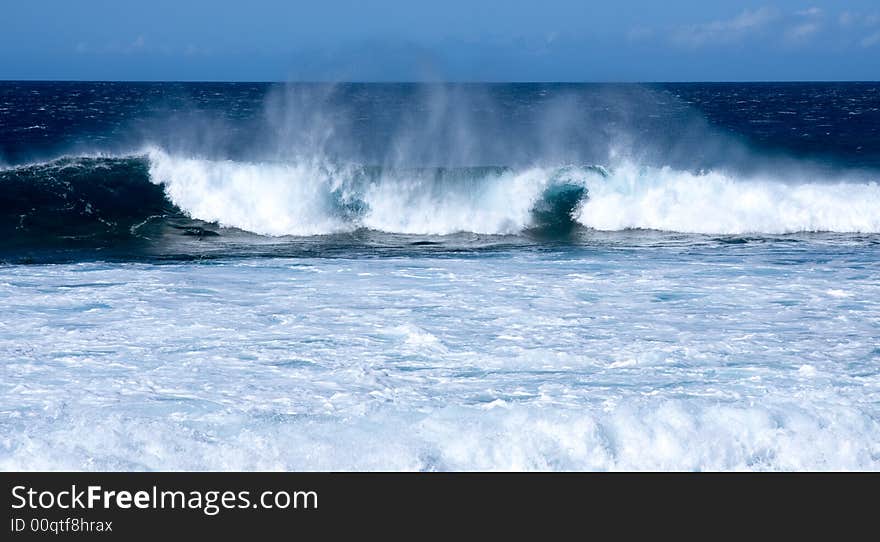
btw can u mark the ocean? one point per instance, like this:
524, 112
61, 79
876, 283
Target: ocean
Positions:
250, 276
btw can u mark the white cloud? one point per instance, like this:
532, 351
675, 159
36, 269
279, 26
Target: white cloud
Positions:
639, 33
802, 32
872, 40
849, 18
727, 30
807, 22
810, 12
853, 22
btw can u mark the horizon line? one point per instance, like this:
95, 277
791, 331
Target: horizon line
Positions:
441, 82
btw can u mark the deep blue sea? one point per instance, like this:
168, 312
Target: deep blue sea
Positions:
439, 276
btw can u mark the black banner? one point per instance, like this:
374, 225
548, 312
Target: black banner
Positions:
129, 506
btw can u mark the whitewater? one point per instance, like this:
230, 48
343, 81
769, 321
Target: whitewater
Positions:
420, 277
759, 356
310, 197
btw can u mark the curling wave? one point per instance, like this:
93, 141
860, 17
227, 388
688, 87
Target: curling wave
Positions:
104, 199
97, 200
309, 198
313, 197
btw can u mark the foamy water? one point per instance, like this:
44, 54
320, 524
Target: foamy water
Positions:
755, 356
312, 196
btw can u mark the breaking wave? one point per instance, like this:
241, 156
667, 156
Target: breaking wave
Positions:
108, 198
310, 198
716, 202
317, 197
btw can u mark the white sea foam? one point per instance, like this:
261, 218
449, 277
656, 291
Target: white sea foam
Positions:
717, 202
498, 203
579, 359
659, 435
310, 197
270, 199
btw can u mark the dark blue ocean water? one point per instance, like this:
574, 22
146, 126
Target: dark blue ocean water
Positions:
822, 121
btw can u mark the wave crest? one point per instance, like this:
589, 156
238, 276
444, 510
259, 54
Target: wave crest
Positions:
314, 197
107, 198
720, 203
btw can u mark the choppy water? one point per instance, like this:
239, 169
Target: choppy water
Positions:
399, 277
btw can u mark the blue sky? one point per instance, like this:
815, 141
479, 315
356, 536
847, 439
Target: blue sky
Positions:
474, 40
